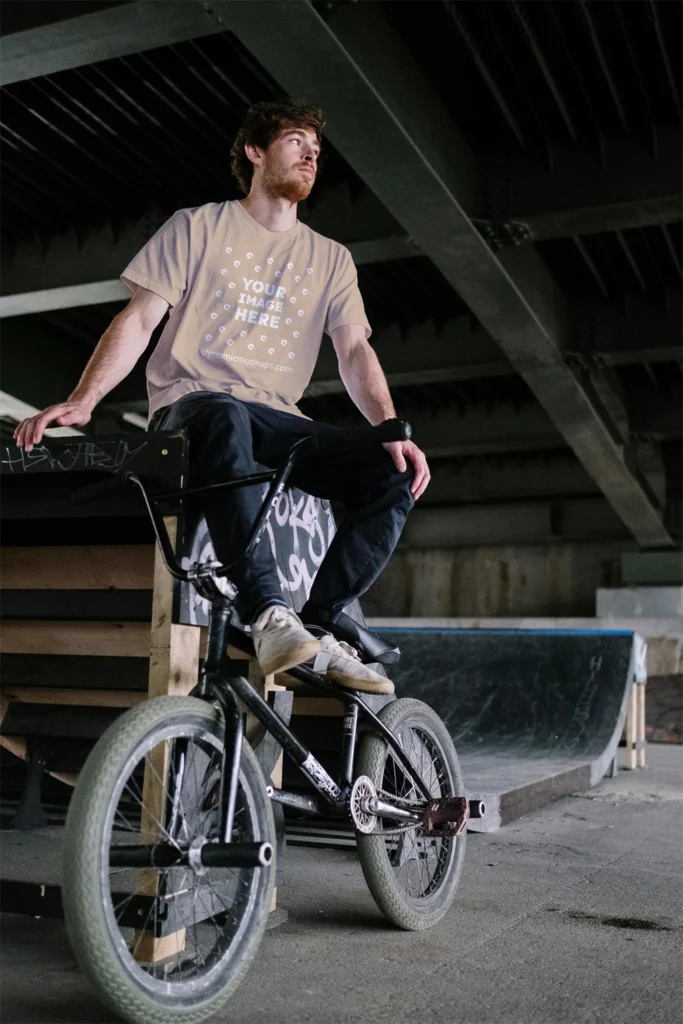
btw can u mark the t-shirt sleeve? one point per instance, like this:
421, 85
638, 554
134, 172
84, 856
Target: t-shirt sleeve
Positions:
346, 302
162, 265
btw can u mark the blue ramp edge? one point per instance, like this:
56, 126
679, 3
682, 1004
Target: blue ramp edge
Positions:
504, 632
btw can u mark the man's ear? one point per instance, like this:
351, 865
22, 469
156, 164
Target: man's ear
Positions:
253, 153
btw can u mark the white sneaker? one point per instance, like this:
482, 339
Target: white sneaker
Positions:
341, 662
280, 641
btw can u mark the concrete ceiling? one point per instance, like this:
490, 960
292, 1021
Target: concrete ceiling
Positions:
511, 195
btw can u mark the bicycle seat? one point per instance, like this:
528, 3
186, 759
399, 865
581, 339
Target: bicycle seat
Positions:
371, 647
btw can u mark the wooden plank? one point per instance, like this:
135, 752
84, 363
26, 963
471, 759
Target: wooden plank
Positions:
173, 649
75, 672
324, 706
78, 567
78, 605
148, 949
104, 639
58, 720
63, 695
17, 745
173, 669
264, 685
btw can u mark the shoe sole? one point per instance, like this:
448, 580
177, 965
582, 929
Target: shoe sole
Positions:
292, 657
362, 685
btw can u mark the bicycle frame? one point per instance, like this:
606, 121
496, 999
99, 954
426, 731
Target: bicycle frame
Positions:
218, 683
220, 680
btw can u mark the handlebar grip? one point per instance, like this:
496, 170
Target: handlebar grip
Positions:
84, 495
362, 437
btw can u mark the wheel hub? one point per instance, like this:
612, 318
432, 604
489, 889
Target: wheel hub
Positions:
363, 792
194, 855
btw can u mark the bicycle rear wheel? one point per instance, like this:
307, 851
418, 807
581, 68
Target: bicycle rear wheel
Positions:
412, 877
163, 944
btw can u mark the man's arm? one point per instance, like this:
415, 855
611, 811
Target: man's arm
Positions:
117, 352
365, 382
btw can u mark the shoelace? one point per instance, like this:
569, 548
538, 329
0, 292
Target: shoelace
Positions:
333, 646
278, 618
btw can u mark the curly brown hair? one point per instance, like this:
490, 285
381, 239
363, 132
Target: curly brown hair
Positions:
263, 123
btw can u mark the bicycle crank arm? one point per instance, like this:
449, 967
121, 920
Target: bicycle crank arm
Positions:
198, 856
386, 810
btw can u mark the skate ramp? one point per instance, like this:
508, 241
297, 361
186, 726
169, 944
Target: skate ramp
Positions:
534, 715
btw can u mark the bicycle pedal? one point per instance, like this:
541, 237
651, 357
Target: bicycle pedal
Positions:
446, 817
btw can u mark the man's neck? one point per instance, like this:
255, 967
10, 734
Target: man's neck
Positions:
273, 214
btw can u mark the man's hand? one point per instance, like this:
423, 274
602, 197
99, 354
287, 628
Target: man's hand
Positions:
65, 414
402, 450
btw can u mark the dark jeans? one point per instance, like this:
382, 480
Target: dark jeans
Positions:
230, 438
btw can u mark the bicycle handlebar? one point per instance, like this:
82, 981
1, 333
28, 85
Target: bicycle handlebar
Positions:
335, 441
354, 438
351, 439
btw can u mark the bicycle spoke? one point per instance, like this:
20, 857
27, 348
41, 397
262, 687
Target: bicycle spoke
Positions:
419, 862
191, 919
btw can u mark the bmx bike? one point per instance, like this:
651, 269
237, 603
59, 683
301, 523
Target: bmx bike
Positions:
168, 863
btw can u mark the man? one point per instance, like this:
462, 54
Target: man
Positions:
251, 291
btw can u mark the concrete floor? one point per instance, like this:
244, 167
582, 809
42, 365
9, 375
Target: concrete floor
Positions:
571, 915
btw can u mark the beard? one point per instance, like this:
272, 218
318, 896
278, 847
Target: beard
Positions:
293, 186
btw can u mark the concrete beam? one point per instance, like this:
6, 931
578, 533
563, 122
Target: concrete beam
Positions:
641, 332
479, 430
583, 194
102, 35
458, 526
655, 418
424, 354
76, 272
12, 408
508, 477
46, 300
41, 364
406, 149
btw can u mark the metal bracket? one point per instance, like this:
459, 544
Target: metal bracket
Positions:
499, 234
29, 813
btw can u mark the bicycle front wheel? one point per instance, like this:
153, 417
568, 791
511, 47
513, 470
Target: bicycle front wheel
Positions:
163, 944
412, 877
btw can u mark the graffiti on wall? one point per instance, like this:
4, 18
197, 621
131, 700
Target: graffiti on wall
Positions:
299, 531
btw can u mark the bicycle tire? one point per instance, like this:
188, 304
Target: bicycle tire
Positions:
88, 909
377, 857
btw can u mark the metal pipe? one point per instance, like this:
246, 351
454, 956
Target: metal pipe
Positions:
237, 855
216, 855
297, 801
230, 776
477, 808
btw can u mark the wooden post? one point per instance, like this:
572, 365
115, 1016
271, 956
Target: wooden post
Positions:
640, 731
173, 669
174, 649
631, 727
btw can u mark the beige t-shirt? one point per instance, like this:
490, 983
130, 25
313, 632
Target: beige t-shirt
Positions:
249, 305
